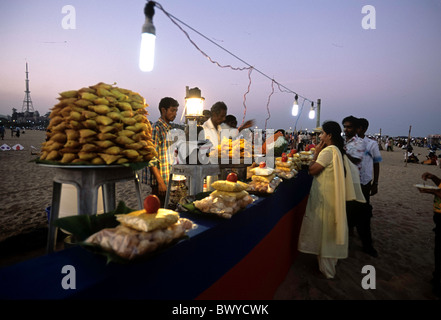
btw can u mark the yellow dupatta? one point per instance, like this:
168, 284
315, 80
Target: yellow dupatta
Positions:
340, 196
351, 191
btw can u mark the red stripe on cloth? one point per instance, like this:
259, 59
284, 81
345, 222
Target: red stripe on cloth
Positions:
258, 275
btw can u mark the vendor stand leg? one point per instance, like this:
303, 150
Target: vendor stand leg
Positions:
109, 197
88, 199
138, 192
167, 195
55, 208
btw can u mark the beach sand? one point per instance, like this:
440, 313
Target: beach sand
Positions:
401, 227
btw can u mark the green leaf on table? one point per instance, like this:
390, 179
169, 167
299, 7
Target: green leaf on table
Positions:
202, 195
191, 208
83, 226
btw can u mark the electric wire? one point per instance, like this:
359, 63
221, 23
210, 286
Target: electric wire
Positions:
249, 67
226, 50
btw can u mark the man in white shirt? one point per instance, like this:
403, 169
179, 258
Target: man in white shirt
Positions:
370, 164
212, 127
212, 130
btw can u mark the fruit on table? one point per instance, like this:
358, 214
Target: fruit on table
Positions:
293, 151
232, 176
284, 158
262, 165
152, 204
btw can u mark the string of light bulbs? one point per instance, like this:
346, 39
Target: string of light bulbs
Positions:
147, 53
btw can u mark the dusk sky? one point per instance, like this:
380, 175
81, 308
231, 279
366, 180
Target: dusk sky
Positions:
320, 49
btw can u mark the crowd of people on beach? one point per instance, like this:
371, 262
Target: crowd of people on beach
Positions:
407, 146
15, 131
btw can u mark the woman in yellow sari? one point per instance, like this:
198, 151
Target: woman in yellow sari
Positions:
324, 230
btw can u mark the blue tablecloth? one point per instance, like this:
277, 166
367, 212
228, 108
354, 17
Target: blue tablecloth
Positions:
181, 272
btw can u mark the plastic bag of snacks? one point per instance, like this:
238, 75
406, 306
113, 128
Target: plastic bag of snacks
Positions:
228, 198
130, 244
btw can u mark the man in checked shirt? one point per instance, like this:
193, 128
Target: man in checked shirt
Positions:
160, 169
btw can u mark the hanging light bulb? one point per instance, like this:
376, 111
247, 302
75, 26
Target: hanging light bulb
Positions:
148, 38
295, 107
312, 111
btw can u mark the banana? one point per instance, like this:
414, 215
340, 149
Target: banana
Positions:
115, 150
124, 106
101, 109
115, 116
103, 120
89, 114
89, 124
104, 144
103, 92
83, 102
102, 101
89, 96
69, 94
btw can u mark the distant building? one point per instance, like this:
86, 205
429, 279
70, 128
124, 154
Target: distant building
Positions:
26, 119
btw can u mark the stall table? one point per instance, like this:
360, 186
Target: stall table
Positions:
245, 257
87, 179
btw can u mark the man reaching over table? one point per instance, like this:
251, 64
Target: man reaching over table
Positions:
231, 123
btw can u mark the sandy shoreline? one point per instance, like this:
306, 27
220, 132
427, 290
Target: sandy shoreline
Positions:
402, 228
